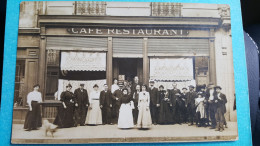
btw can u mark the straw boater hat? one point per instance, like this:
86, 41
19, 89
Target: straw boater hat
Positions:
151, 81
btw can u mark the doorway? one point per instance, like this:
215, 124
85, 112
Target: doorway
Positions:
128, 67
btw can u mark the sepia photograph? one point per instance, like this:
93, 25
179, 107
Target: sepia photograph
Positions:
123, 72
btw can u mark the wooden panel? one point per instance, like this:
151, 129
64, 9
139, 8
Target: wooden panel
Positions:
58, 8
28, 41
31, 75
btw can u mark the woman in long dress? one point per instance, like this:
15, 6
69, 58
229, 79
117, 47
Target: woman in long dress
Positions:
33, 118
165, 114
125, 119
144, 116
64, 118
94, 116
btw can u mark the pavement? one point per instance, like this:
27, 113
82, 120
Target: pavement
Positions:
112, 134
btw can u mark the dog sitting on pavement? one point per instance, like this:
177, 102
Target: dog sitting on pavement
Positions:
49, 127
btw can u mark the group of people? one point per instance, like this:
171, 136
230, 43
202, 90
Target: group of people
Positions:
128, 105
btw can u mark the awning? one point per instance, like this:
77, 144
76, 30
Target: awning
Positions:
83, 61
171, 69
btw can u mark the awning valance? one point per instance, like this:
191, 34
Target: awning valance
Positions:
171, 69
83, 61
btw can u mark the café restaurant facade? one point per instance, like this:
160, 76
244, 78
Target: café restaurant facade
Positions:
186, 50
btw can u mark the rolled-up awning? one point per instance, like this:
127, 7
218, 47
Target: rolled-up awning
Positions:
83, 61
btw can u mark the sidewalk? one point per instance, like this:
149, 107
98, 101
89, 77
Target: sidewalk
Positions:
110, 133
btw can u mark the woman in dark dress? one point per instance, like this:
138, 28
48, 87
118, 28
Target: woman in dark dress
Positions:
165, 114
135, 101
33, 118
64, 118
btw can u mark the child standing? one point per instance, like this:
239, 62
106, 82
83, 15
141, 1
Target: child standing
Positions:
200, 109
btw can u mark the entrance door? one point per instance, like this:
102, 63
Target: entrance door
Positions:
129, 67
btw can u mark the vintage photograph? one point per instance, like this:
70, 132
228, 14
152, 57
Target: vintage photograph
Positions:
123, 72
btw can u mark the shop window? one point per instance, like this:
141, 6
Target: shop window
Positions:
19, 83
52, 77
201, 70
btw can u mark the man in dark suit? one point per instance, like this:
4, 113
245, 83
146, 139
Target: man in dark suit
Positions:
220, 100
106, 105
136, 82
191, 109
117, 95
153, 91
81, 105
184, 99
173, 99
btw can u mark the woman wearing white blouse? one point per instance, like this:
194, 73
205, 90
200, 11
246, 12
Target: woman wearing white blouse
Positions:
144, 116
33, 118
94, 116
114, 87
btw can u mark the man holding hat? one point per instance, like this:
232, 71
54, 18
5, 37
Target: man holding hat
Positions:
220, 101
117, 95
81, 105
191, 111
153, 91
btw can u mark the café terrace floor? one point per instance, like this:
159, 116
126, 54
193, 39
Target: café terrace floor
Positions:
111, 134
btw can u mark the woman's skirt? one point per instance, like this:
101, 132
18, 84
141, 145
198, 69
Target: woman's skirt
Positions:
33, 119
144, 117
64, 118
125, 119
94, 116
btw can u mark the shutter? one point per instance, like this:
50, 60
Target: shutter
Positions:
128, 47
181, 47
74, 43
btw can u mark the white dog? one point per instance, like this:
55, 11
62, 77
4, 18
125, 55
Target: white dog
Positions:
49, 127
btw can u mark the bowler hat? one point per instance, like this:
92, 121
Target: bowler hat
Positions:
184, 88
191, 86
217, 87
161, 86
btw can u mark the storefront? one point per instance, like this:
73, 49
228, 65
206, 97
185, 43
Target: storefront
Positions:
167, 50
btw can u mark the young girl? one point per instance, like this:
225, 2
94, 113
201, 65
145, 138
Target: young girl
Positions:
125, 119
200, 109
